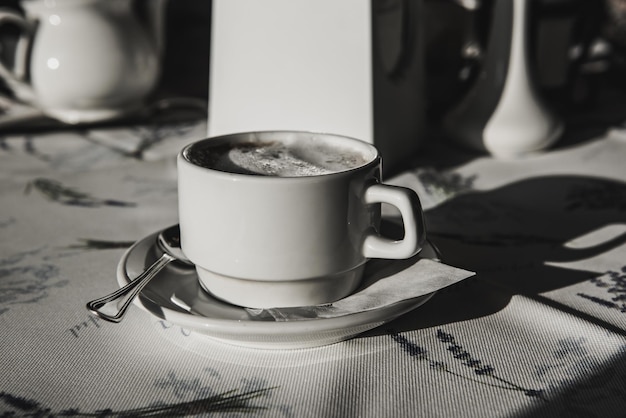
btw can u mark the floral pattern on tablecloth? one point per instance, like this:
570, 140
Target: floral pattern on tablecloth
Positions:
539, 331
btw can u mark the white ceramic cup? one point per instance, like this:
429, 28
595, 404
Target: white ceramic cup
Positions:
269, 241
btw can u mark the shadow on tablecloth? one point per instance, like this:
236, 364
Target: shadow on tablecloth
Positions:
533, 237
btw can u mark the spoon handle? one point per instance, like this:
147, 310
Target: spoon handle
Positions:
116, 303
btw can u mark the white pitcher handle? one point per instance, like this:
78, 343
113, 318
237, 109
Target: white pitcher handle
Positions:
17, 75
408, 203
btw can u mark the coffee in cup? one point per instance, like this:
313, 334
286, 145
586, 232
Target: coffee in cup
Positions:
276, 158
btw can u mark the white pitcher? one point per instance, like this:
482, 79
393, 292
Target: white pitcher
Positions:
84, 60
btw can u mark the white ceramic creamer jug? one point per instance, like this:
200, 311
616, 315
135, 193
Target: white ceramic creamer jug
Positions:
83, 60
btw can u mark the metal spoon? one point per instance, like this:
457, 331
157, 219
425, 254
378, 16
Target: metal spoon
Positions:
167, 241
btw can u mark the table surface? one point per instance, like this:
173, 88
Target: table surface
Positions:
538, 331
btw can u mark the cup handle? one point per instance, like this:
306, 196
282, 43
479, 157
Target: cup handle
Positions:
407, 201
15, 77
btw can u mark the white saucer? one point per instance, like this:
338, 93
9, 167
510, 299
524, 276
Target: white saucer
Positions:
234, 325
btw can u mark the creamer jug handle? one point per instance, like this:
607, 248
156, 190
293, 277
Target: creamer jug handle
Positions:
16, 77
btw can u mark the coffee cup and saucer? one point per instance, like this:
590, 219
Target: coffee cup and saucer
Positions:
284, 230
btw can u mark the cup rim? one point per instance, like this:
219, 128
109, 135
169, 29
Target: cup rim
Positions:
370, 151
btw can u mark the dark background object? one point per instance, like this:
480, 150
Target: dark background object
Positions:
186, 60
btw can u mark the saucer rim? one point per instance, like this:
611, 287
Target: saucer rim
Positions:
296, 334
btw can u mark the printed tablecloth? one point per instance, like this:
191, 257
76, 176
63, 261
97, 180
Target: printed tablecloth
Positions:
539, 331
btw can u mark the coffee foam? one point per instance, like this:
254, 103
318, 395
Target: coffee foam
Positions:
278, 159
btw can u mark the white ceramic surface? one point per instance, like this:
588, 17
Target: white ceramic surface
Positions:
83, 60
503, 113
262, 241
233, 325
521, 123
